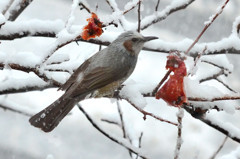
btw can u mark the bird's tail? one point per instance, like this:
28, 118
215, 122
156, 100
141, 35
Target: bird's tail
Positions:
49, 118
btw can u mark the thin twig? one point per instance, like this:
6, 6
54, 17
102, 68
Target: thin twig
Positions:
126, 11
197, 99
179, 137
206, 27
27, 89
161, 82
110, 122
140, 142
196, 59
139, 16
15, 111
114, 10
214, 76
145, 113
209, 123
220, 148
121, 119
221, 67
84, 7
123, 125
225, 85
166, 14
106, 134
156, 8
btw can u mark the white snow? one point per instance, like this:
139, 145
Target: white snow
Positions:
71, 18
2, 19
194, 89
232, 129
235, 154
162, 14
22, 58
220, 60
11, 79
75, 136
33, 26
131, 92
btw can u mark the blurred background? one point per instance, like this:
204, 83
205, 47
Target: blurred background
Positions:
75, 137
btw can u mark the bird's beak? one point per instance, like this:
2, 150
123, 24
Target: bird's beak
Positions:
149, 38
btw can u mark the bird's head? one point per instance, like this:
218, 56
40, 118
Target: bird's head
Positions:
132, 42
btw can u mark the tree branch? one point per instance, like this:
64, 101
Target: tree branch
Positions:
14, 110
164, 14
106, 134
139, 16
209, 123
19, 9
180, 115
220, 148
145, 113
206, 27
30, 69
27, 89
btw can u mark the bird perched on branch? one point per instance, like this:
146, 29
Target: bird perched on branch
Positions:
98, 76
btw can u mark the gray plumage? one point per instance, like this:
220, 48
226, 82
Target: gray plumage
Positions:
98, 76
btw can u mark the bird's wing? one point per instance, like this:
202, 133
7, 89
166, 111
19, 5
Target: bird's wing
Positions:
97, 78
74, 76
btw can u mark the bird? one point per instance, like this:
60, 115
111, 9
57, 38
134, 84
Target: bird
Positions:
99, 76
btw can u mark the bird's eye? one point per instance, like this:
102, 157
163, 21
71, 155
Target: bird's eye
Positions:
134, 39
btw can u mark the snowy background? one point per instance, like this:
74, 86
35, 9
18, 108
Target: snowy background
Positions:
75, 137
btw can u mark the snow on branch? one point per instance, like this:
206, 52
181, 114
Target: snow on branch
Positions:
65, 33
159, 16
17, 8
34, 27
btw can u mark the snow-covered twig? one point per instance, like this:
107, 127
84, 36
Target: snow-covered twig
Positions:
211, 20
219, 149
114, 7
18, 9
159, 16
180, 115
213, 76
202, 118
20, 29
7, 6
30, 69
216, 65
118, 141
196, 59
196, 99
145, 113
71, 17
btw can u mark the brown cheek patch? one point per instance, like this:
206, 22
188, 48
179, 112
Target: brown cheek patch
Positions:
128, 45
